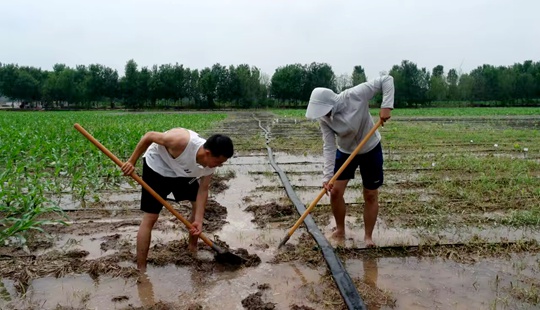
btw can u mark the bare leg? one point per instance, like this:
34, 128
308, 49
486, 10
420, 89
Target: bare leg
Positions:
143, 239
338, 208
192, 244
371, 210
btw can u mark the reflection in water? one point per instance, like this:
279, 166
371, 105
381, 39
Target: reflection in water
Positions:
145, 290
371, 272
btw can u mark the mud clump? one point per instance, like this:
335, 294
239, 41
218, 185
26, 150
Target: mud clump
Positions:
254, 302
305, 251
158, 306
36, 243
264, 286
111, 242
119, 298
297, 307
271, 212
174, 252
218, 183
250, 260
214, 216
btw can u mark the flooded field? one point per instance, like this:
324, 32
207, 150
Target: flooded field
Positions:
458, 228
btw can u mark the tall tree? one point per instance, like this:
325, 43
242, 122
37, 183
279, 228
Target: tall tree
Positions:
452, 80
130, 83
358, 75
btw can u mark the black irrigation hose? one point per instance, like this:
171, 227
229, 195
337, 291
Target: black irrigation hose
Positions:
342, 279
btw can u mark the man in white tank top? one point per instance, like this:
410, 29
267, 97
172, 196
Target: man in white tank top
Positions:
177, 161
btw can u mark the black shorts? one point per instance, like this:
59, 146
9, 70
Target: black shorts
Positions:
370, 163
180, 188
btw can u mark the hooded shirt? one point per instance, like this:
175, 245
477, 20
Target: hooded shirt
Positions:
349, 121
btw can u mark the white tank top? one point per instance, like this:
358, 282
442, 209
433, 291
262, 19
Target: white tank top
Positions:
158, 158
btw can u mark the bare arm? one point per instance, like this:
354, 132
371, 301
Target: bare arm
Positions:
200, 204
174, 140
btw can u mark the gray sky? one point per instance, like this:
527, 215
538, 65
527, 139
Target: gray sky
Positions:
270, 33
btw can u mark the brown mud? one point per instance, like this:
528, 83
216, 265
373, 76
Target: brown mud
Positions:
305, 251
59, 263
255, 301
272, 212
214, 218
165, 306
219, 182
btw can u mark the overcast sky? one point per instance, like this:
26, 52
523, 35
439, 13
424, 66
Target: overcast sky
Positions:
270, 33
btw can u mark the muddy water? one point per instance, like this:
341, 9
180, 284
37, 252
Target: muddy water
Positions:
183, 285
418, 283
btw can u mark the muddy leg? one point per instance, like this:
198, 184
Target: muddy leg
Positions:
371, 209
338, 208
143, 239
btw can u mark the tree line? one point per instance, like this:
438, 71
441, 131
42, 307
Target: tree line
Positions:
245, 86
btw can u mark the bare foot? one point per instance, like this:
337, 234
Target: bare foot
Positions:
338, 235
192, 244
369, 243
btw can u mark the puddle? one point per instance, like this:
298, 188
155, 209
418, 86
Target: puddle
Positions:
382, 234
419, 283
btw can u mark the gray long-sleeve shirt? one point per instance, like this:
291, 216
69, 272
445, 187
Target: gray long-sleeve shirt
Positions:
350, 120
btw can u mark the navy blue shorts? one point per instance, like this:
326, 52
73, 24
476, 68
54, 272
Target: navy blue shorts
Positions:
180, 188
370, 163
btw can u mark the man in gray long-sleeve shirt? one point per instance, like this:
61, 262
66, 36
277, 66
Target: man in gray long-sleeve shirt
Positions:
345, 120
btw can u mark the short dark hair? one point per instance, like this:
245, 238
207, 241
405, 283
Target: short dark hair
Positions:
219, 145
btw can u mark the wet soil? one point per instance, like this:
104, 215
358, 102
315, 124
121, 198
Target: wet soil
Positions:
165, 306
85, 223
306, 251
463, 253
59, 263
255, 300
219, 182
272, 212
297, 307
111, 242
